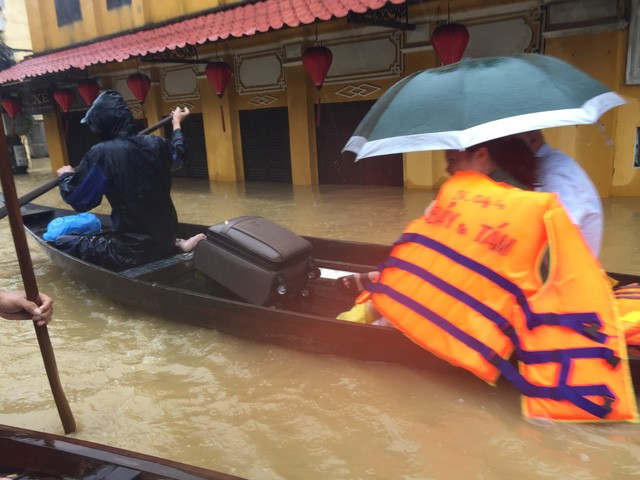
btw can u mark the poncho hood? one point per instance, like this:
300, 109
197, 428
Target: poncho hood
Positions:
109, 117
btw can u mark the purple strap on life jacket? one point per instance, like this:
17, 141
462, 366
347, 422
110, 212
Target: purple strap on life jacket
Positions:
588, 324
576, 394
502, 323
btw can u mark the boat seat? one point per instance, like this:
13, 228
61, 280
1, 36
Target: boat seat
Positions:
142, 270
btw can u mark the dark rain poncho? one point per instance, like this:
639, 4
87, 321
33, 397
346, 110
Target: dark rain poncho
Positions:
134, 173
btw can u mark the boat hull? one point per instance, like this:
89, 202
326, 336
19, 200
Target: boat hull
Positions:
174, 289
43, 455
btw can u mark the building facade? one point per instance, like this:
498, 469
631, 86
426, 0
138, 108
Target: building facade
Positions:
271, 123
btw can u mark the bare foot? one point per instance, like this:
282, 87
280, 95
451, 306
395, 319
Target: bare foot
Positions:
190, 243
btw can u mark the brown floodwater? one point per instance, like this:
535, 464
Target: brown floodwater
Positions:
143, 383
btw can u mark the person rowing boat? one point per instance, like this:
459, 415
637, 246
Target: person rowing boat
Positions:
134, 173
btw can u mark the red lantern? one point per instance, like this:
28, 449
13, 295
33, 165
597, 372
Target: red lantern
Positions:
11, 105
317, 61
88, 90
449, 41
218, 75
64, 98
139, 85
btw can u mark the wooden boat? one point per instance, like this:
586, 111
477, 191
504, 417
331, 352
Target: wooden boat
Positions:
26, 454
173, 288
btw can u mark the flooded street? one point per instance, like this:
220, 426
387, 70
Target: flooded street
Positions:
197, 396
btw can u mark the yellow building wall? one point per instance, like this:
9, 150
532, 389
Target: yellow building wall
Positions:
607, 157
302, 138
56, 143
161, 10
98, 22
626, 178
593, 147
423, 169
224, 160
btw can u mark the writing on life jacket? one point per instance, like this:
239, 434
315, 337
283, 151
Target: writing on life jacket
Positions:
484, 200
494, 237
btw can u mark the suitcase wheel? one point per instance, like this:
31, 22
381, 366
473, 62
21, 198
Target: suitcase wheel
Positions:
281, 286
313, 272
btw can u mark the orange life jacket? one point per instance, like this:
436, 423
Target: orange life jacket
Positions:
628, 300
464, 283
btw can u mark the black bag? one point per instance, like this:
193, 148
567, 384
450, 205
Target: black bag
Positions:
258, 260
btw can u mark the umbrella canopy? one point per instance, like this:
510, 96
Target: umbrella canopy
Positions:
475, 100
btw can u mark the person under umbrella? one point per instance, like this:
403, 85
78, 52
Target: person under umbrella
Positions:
507, 160
559, 173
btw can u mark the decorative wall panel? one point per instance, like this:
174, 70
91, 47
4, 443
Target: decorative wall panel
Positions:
259, 71
501, 37
179, 83
374, 56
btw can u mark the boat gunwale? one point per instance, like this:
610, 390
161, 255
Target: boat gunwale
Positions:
68, 456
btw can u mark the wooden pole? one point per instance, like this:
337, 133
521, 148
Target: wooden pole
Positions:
30, 284
12, 209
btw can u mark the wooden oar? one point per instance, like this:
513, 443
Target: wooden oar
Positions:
30, 285
29, 197
12, 208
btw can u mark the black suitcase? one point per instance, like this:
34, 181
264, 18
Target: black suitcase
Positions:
258, 260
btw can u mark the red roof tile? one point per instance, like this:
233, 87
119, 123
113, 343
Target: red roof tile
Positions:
247, 19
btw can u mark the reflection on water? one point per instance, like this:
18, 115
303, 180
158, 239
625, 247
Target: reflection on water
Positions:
261, 412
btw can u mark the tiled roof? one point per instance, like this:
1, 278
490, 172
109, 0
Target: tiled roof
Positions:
243, 20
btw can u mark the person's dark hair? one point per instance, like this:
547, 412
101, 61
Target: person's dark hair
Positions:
512, 155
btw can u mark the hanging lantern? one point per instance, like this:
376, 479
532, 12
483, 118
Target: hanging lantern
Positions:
317, 61
139, 85
11, 105
88, 90
64, 98
449, 41
218, 75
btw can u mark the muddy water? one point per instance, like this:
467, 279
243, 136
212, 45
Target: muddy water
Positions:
261, 412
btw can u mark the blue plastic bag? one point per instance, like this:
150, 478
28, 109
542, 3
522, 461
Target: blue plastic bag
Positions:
81, 224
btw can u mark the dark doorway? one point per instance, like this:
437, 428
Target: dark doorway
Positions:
80, 138
195, 162
337, 123
265, 145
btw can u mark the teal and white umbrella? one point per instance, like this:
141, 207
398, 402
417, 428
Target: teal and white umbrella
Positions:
475, 100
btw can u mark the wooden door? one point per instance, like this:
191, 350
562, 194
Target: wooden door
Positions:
265, 145
337, 123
